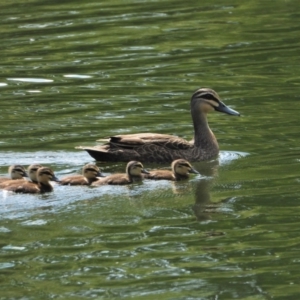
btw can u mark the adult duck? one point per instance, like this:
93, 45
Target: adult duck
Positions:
163, 148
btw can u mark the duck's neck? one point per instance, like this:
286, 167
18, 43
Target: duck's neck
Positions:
45, 187
135, 178
204, 137
179, 177
91, 180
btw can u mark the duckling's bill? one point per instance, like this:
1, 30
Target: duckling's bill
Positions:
193, 171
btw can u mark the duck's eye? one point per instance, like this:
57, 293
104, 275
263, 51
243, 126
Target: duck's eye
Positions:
209, 97
46, 173
185, 165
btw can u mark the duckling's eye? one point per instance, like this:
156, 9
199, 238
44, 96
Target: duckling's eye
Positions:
185, 165
91, 170
33, 170
46, 173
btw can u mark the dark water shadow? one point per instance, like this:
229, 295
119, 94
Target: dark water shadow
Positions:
203, 206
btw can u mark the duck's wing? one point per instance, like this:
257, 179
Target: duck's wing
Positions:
160, 175
28, 188
73, 180
144, 147
12, 182
132, 141
117, 179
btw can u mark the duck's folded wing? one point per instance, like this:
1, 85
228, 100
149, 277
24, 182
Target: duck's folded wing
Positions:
142, 139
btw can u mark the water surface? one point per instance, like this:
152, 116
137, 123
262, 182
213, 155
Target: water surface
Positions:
72, 73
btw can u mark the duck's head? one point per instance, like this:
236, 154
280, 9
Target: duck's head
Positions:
45, 174
135, 168
207, 100
32, 171
91, 171
182, 167
17, 172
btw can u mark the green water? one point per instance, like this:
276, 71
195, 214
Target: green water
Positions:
74, 72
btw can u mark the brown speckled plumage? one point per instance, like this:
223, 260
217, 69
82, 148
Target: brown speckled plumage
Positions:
162, 148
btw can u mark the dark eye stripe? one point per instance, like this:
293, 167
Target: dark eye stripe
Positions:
90, 169
205, 95
185, 165
209, 96
46, 173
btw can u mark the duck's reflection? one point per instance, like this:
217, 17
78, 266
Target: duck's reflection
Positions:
203, 205
200, 186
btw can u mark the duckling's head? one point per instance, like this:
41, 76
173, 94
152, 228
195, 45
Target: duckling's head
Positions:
32, 172
135, 168
45, 174
17, 172
91, 171
182, 167
207, 100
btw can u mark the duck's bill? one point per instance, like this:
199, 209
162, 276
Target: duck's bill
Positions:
54, 178
144, 171
225, 109
193, 171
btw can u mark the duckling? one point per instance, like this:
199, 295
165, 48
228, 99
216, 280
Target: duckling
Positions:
16, 172
163, 148
180, 171
90, 173
32, 171
44, 176
134, 170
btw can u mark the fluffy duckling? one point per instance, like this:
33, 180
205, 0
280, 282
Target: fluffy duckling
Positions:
44, 176
134, 170
32, 172
181, 169
15, 172
90, 173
